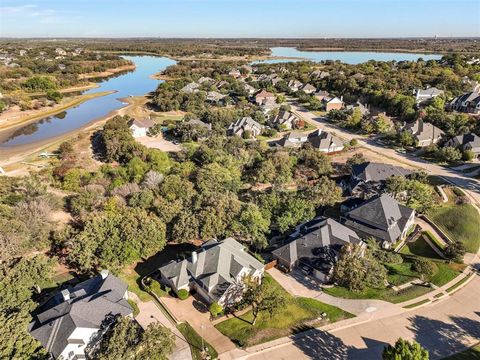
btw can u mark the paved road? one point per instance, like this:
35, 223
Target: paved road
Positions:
444, 328
472, 186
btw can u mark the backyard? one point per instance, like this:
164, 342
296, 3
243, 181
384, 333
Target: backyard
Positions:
298, 314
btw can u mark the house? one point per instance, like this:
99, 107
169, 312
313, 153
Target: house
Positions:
215, 271
468, 103
424, 133
275, 79
309, 89
249, 89
364, 110
70, 321
466, 142
325, 142
190, 88
198, 122
316, 247
427, 94
215, 97
285, 120
205, 80
139, 128
321, 94
294, 85
235, 73
358, 76
332, 103
244, 124
60, 51
292, 140
264, 97
318, 74
369, 178
381, 217
221, 84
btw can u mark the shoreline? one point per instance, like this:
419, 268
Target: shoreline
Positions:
108, 72
16, 154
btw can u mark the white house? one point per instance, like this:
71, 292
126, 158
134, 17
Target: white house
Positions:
69, 322
139, 128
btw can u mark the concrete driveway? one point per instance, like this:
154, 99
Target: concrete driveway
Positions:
158, 142
197, 315
444, 328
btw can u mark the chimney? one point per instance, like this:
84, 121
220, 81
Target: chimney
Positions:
194, 257
104, 274
65, 294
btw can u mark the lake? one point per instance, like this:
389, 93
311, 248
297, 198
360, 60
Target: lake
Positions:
348, 57
137, 82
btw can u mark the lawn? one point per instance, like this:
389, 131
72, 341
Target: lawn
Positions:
298, 315
470, 354
460, 222
132, 279
195, 342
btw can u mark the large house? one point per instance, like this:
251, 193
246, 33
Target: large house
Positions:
294, 85
292, 140
466, 142
71, 321
215, 271
325, 142
308, 89
321, 94
469, 103
285, 120
424, 133
380, 217
332, 103
368, 178
427, 94
245, 124
264, 97
215, 97
139, 128
190, 88
315, 246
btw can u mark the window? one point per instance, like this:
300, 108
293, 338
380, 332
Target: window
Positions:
71, 354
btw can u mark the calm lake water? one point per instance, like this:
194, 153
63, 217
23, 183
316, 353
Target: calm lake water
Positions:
348, 57
137, 82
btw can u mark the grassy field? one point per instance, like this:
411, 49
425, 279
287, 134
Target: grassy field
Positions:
470, 354
460, 222
299, 314
195, 342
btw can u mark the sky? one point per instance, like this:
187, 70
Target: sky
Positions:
239, 18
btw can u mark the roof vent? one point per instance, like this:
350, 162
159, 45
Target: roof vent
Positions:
194, 257
104, 274
65, 294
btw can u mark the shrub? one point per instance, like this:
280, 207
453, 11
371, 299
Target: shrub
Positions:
182, 294
425, 268
215, 309
468, 155
353, 142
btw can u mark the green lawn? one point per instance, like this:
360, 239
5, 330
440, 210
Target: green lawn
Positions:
298, 314
420, 248
470, 354
134, 306
460, 222
133, 281
195, 342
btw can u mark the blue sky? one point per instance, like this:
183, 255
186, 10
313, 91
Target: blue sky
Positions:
235, 18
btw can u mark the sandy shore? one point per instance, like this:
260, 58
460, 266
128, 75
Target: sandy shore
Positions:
108, 72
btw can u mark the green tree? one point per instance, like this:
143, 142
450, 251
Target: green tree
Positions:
449, 154
405, 350
252, 226
455, 251
425, 268
262, 296
325, 192
215, 309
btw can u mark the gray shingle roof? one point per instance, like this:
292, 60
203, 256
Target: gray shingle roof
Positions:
370, 171
424, 131
90, 302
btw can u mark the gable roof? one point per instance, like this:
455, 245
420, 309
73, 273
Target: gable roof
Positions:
89, 304
323, 140
371, 171
423, 130
472, 141
141, 123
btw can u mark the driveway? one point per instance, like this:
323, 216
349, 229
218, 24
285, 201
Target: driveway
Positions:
150, 313
196, 314
445, 327
297, 284
158, 142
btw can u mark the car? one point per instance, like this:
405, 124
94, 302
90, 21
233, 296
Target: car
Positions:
306, 269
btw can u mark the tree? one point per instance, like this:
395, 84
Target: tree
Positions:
325, 192
358, 268
468, 155
125, 339
54, 95
252, 225
356, 159
262, 296
449, 154
426, 268
455, 251
405, 350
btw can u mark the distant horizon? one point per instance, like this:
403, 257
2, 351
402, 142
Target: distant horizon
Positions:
235, 19
237, 38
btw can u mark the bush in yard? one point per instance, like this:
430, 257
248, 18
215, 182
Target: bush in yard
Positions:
215, 309
455, 251
424, 267
182, 294
405, 350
